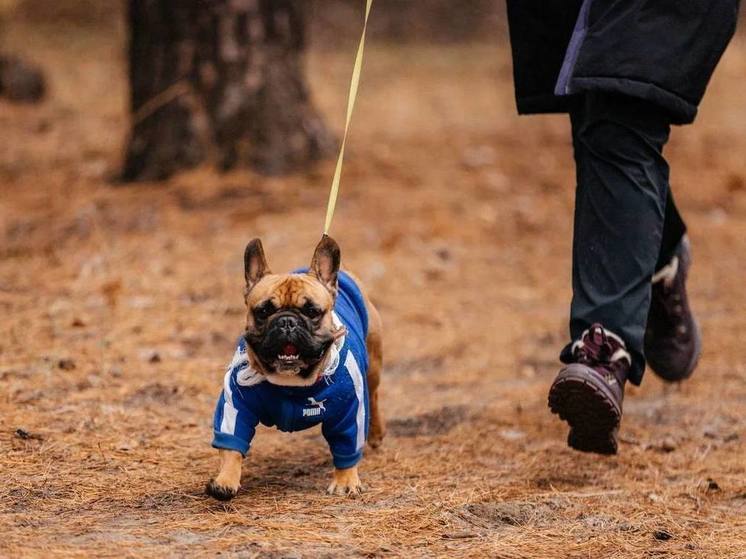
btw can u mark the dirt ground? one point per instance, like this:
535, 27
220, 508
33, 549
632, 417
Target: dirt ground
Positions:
120, 307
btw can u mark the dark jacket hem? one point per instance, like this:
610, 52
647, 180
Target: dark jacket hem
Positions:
543, 104
680, 110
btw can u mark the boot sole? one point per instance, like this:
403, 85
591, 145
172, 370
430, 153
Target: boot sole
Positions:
579, 397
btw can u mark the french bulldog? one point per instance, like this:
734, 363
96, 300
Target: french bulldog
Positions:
311, 354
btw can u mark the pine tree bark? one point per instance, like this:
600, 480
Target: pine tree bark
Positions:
220, 80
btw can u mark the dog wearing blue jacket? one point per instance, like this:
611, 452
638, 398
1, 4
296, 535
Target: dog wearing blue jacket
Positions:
310, 355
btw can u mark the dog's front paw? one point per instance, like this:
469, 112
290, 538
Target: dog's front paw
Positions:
220, 492
375, 440
345, 482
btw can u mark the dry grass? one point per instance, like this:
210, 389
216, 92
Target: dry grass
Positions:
120, 307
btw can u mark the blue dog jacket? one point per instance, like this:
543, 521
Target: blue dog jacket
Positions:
338, 400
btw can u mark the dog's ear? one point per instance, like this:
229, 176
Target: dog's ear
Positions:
325, 263
255, 264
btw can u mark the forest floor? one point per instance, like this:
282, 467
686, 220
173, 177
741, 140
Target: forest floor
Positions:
120, 307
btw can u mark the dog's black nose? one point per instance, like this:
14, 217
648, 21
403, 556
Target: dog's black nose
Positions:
287, 323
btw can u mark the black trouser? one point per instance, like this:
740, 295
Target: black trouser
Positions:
626, 223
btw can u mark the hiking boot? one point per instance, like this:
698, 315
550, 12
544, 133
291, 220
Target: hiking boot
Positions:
672, 338
588, 392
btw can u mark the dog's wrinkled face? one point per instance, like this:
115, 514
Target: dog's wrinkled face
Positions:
289, 326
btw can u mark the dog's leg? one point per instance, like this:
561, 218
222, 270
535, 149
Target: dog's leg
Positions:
345, 482
225, 485
375, 365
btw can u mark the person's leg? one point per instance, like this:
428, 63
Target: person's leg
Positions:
674, 230
619, 221
672, 338
619, 216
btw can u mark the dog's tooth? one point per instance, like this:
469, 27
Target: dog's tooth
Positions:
283, 357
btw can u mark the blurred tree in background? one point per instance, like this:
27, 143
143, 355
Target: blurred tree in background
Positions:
227, 76
19, 79
223, 77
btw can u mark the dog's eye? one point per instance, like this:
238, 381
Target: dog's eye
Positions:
264, 311
311, 311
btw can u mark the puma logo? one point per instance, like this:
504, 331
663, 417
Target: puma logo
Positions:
316, 409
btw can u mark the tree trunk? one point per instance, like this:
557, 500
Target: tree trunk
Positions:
21, 81
219, 78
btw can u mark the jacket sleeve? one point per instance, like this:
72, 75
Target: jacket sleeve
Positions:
236, 415
345, 432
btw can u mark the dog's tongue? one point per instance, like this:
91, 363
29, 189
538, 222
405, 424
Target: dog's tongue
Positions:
289, 349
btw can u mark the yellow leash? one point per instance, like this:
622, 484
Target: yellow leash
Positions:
354, 82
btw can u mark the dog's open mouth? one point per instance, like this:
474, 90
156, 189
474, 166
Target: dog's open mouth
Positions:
289, 357
289, 354
289, 361
292, 360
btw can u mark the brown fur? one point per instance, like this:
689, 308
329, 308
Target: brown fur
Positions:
289, 290
294, 290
